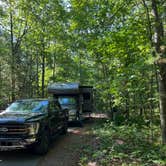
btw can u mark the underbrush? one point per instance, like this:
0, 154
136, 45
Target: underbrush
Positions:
125, 145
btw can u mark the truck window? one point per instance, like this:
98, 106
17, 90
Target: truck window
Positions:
28, 106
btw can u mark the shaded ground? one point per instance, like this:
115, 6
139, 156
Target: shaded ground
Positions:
18, 158
66, 149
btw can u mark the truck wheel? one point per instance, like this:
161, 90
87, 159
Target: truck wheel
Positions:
43, 145
64, 129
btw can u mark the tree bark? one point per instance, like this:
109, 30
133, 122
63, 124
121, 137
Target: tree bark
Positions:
12, 58
158, 27
43, 71
161, 62
37, 75
162, 95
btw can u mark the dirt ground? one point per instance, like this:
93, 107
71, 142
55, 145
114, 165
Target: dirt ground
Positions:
66, 150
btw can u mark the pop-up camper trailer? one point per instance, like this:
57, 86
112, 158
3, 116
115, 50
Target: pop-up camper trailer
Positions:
77, 99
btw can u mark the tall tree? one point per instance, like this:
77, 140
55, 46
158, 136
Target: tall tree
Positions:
15, 24
160, 48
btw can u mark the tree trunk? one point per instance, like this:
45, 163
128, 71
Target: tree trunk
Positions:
37, 75
162, 94
158, 27
127, 105
43, 71
12, 58
161, 62
80, 69
53, 70
15, 46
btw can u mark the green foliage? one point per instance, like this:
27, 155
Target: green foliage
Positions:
102, 43
124, 145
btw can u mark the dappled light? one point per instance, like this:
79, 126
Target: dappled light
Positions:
92, 164
74, 131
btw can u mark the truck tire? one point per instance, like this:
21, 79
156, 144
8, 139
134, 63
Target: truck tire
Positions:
42, 146
64, 129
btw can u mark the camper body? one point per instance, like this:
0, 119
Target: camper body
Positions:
77, 99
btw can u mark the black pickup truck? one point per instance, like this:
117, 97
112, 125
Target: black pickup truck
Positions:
31, 123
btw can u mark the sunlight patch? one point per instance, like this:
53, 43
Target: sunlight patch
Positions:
92, 164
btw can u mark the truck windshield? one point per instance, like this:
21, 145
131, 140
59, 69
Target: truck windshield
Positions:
67, 101
28, 106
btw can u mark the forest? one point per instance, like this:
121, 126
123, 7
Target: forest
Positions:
118, 47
